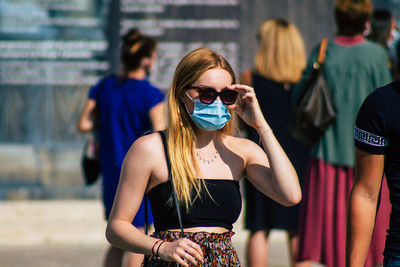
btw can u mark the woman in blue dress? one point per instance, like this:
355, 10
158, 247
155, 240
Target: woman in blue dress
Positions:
129, 107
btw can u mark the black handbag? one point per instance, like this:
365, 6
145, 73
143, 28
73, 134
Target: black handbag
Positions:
315, 109
146, 262
90, 161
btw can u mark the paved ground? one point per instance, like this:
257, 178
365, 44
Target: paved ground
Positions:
66, 233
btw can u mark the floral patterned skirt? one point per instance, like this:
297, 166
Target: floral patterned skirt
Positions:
217, 248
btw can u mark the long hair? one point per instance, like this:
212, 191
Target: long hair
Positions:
281, 55
181, 138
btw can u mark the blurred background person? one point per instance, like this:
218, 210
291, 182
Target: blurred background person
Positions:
278, 65
129, 107
382, 31
353, 68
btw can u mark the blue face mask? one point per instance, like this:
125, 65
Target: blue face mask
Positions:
210, 117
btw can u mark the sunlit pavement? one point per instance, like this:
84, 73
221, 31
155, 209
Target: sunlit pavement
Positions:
71, 233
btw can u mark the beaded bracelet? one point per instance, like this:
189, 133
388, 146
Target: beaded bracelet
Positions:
157, 255
154, 245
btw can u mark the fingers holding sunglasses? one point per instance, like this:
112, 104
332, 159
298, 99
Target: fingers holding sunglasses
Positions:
247, 95
243, 90
249, 109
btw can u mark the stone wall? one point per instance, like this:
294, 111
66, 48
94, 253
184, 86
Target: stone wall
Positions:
39, 147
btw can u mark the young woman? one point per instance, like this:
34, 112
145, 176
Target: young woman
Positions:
278, 65
206, 163
129, 107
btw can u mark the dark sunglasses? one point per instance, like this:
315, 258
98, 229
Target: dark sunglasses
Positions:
207, 95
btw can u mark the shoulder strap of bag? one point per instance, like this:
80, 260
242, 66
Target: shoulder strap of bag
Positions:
164, 140
146, 258
174, 196
169, 178
146, 229
317, 64
322, 51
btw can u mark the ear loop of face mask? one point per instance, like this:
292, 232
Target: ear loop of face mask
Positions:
185, 103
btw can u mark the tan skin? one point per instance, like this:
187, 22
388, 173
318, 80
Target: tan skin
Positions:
362, 206
145, 167
257, 245
156, 114
157, 117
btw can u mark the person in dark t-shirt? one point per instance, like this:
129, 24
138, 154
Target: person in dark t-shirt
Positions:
377, 141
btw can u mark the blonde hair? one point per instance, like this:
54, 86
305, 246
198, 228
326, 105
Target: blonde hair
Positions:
181, 138
281, 55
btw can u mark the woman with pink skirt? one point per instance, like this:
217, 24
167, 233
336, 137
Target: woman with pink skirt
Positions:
353, 68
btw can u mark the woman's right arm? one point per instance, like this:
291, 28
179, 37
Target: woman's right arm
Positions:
269, 170
135, 173
85, 123
140, 164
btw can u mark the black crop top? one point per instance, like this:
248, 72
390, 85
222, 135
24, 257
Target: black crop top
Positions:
223, 210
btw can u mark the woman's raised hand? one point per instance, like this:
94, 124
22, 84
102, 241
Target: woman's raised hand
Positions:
247, 107
182, 251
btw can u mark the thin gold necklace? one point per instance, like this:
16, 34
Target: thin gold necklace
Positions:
208, 161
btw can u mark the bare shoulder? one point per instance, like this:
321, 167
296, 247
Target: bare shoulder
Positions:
146, 159
240, 145
147, 146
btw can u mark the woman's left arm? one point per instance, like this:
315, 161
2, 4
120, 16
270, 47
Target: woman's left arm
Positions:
282, 183
85, 123
270, 170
